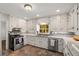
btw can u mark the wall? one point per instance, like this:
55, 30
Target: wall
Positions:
3, 30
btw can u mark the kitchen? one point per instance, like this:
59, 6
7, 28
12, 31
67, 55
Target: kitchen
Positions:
39, 29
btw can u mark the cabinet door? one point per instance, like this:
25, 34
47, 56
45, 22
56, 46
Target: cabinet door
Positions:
78, 18
75, 18
75, 21
70, 22
32, 40
25, 40
43, 42
37, 42
29, 39
60, 45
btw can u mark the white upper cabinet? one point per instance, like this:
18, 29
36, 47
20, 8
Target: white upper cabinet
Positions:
55, 23
16, 22
73, 19
78, 16
58, 23
70, 22
63, 22
31, 26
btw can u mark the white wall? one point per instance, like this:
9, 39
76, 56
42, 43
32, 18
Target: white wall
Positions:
3, 29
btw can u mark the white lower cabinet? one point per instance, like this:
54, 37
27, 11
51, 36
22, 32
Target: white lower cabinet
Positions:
29, 40
32, 40
36, 42
25, 40
41, 42
60, 45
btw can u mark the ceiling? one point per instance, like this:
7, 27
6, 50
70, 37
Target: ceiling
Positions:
43, 9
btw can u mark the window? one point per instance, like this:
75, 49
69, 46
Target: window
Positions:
44, 28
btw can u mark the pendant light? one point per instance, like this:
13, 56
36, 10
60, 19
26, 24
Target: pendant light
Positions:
28, 7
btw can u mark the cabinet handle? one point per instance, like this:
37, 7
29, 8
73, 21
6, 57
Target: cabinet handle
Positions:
77, 28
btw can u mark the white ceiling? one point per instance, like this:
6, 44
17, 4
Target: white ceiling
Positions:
43, 9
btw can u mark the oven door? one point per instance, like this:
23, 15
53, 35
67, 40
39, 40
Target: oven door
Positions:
17, 43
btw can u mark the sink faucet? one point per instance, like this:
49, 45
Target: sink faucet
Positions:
52, 32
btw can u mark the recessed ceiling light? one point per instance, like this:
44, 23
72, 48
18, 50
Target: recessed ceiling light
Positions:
28, 7
25, 17
57, 10
37, 15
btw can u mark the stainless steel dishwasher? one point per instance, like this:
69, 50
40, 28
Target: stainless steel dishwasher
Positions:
53, 44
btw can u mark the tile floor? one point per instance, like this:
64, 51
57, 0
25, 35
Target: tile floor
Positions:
29, 50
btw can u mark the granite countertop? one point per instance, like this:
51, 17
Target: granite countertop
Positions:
29, 34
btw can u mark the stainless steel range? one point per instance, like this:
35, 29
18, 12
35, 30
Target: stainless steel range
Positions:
16, 40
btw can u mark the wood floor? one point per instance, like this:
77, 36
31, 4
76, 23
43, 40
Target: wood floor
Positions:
29, 50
